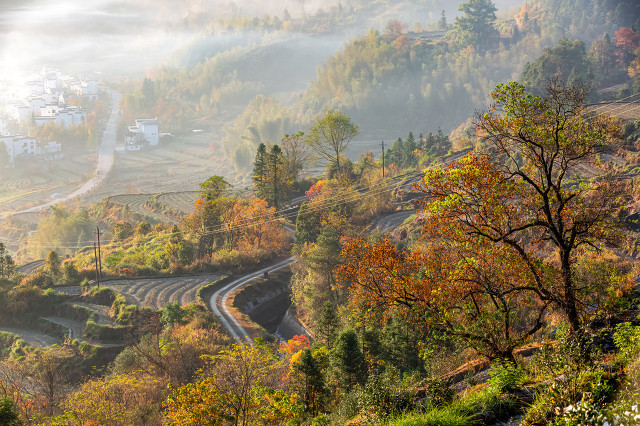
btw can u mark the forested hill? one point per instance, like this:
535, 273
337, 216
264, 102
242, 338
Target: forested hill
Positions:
402, 79
415, 68
396, 78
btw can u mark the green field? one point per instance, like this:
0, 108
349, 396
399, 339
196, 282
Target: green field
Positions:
31, 183
171, 167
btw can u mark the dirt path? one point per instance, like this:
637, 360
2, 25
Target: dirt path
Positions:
33, 338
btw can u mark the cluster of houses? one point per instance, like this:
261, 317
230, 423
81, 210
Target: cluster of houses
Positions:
40, 99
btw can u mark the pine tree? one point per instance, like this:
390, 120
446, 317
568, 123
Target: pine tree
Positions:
328, 324
260, 171
348, 359
310, 381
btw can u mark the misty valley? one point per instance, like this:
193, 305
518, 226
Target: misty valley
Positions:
386, 212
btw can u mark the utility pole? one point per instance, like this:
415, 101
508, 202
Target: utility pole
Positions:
98, 233
95, 253
383, 159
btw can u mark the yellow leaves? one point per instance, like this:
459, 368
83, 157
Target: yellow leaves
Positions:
634, 68
118, 399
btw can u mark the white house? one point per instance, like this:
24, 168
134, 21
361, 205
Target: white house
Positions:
145, 129
44, 120
50, 151
19, 146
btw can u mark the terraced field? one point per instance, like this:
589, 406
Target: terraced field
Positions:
182, 201
623, 110
157, 292
28, 184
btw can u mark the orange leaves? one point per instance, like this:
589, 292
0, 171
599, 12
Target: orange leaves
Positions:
470, 198
254, 225
295, 345
315, 189
380, 273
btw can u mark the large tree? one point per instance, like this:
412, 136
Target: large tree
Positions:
531, 197
476, 26
331, 134
501, 233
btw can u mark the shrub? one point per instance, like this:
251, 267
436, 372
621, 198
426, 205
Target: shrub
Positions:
385, 396
627, 340
505, 376
438, 392
105, 332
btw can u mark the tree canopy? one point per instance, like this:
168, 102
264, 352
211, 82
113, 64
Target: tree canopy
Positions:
331, 134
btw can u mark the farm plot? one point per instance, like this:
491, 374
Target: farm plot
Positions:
182, 201
136, 203
157, 292
176, 166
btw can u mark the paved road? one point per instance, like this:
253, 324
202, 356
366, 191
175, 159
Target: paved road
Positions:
105, 156
391, 221
219, 301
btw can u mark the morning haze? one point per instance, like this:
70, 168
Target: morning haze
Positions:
319, 212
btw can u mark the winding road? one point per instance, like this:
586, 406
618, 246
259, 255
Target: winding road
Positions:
219, 301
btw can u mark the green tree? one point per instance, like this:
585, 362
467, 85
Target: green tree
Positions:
309, 381
260, 171
296, 154
8, 414
567, 60
7, 265
331, 134
213, 188
348, 359
307, 225
211, 208
442, 22
277, 185
476, 26
52, 264
603, 56
328, 324
70, 272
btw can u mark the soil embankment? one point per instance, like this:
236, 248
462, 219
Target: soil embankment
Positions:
266, 300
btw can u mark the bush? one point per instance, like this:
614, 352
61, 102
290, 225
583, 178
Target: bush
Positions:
105, 332
385, 396
438, 392
8, 413
505, 376
38, 279
102, 296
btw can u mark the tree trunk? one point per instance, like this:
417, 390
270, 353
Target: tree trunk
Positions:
569, 301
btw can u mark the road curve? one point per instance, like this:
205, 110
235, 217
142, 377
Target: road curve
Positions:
218, 302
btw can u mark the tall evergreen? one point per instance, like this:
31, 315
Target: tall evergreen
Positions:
260, 171
348, 359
